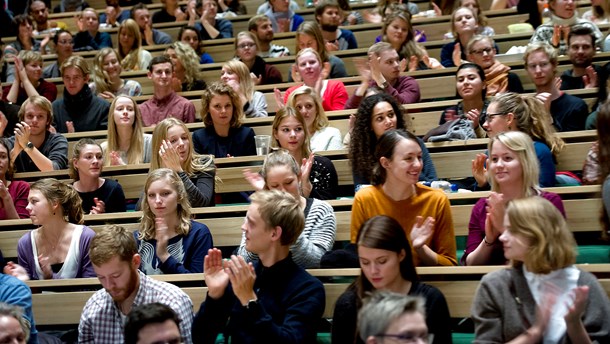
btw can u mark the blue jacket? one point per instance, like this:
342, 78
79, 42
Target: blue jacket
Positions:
17, 293
224, 27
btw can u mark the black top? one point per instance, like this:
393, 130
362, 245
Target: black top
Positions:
437, 315
569, 113
239, 142
323, 178
569, 82
162, 16
196, 85
11, 112
111, 193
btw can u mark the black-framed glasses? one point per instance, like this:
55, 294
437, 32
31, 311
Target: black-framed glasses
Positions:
409, 338
481, 52
490, 116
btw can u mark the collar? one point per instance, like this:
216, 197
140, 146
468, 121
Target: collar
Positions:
80, 100
562, 21
163, 101
276, 270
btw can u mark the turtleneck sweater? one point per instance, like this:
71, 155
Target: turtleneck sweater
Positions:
86, 111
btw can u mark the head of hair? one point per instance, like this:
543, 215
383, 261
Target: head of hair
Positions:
189, 60
59, 33
92, 10
112, 241
146, 314
16, 312
42, 103
253, 22
474, 14
247, 34
384, 307
98, 74
279, 157
480, 72
384, 233
409, 46
363, 139
530, 117
551, 243
523, 147
321, 121
242, 71
183, 29
221, 89
284, 113
476, 39
544, 47
9, 168
311, 28
281, 209
29, 56
147, 223
76, 151
160, 135
136, 143
75, 61
379, 47
385, 149
136, 7
64, 195
19, 20
323, 4
159, 60
602, 10
581, 30
130, 60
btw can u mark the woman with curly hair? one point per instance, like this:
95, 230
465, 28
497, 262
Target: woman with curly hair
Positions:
106, 77
235, 74
376, 115
169, 241
190, 36
309, 35
186, 68
126, 144
131, 54
173, 149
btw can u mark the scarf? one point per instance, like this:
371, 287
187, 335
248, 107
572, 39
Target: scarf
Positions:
78, 102
496, 78
555, 20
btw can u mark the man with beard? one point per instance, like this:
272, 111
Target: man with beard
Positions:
40, 13
115, 259
581, 49
260, 26
329, 15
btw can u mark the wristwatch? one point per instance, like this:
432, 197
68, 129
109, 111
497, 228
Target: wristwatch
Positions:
251, 304
385, 84
29, 146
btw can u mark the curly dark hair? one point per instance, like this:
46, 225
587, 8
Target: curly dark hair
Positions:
363, 140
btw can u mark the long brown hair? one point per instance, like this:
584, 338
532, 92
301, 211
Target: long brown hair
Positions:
135, 153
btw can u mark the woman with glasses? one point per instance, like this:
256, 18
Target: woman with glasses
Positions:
498, 77
386, 263
246, 49
525, 113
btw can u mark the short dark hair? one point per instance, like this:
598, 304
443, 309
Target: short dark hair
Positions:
321, 7
151, 313
581, 30
158, 60
253, 22
20, 19
59, 33
138, 6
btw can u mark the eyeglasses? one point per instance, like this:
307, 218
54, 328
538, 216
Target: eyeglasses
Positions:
542, 65
481, 52
409, 338
246, 45
490, 116
70, 42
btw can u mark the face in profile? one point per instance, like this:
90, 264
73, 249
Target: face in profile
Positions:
406, 162
516, 246
257, 233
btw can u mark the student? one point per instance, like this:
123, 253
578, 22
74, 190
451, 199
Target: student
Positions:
16, 293
99, 195
152, 323
13, 193
272, 301
309, 35
169, 241
89, 37
150, 36
14, 328
260, 25
187, 76
464, 25
170, 12
247, 49
581, 50
328, 14
192, 37
64, 48
34, 147
131, 54
79, 110
165, 102
28, 79
106, 74
282, 18
115, 259
236, 75
40, 14
211, 27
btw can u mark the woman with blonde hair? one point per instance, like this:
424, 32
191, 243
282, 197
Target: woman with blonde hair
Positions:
236, 75
319, 176
106, 77
173, 149
169, 240
525, 113
127, 144
542, 296
513, 173
309, 35
246, 49
186, 68
131, 54
322, 137
59, 247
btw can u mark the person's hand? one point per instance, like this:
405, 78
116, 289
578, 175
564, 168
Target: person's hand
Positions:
115, 159
99, 207
190, 9
162, 237
323, 75
332, 46
70, 126
148, 34
479, 171
283, 25
180, 16
306, 166
437, 10
590, 77
20, 74
43, 44
111, 15
234, 85
45, 266
352, 20
255, 179
545, 98
17, 271
242, 277
106, 95
565, 32
294, 72
170, 157
556, 38
413, 63
457, 54
419, 35
421, 231
22, 134
256, 79
362, 66
352, 122
80, 23
579, 297
496, 204
473, 115
543, 313
277, 94
3, 123
5, 196
376, 75
216, 278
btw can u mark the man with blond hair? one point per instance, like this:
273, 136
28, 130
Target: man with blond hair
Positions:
114, 255
271, 301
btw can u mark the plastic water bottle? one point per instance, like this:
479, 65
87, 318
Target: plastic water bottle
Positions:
546, 14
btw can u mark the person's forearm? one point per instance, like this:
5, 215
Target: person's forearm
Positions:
15, 152
211, 30
481, 255
28, 87
13, 92
577, 332
531, 336
43, 163
427, 256
9, 208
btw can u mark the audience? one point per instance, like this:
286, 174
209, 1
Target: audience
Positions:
186, 68
99, 195
165, 102
542, 297
176, 153
152, 323
281, 172
89, 37
246, 50
106, 74
273, 300
34, 146
126, 143
236, 75
28, 79
169, 241
64, 48
59, 247
328, 14
386, 265
79, 110
260, 25
211, 27
13, 193
113, 15
131, 53
464, 26
25, 37
115, 259
424, 213
170, 12
150, 36
482, 28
